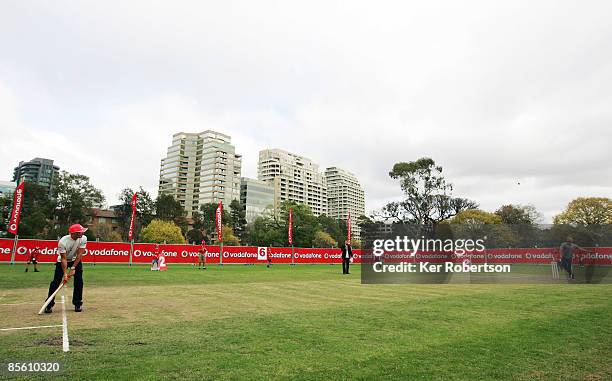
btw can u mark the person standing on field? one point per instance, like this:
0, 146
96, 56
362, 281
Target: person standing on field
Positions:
70, 249
155, 262
566, 251
202, 252
347, 254
33, 259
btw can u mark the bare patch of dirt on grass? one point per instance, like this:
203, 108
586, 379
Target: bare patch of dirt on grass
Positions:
58, 341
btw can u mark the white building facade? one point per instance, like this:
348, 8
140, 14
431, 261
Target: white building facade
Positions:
294, 178
344, 194
201, 168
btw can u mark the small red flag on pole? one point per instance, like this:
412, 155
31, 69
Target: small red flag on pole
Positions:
290, 229
16, 213
133, 205
219, 221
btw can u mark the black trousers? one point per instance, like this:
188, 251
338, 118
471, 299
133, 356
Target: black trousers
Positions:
345, 265
566, 263
77, 294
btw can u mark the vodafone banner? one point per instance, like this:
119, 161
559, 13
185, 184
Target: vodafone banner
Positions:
13, 224
348, 227
117, 252
290, 228
133, 205
219, 222
601, 256
6, 245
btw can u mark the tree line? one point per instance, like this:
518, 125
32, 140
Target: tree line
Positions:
428, 200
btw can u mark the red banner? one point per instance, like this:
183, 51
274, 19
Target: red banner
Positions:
133, 205
6, 245
219, 221
599, 256
348, 227
13, 225
119, 252
290, 229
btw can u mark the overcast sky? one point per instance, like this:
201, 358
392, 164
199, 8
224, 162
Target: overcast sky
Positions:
496, 92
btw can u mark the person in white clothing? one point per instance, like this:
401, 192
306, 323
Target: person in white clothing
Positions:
70, 248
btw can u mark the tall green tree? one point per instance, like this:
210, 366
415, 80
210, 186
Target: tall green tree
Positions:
145, 211
195, 236
229, 238
475, 217
427, 194
586, 211
272, 231
324, 239
169, 209
5, 210
305, 224
75, 196
206, 217
335, 228
265, 231
477, 224
237, 219
159, 231
518, 214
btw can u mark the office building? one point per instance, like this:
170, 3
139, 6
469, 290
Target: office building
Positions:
201, 168
257, 198
344, 195
38, 171
294, 178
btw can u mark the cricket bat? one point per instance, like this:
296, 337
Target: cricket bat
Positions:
50, 298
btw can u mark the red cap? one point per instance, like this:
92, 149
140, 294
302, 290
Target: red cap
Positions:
76, 228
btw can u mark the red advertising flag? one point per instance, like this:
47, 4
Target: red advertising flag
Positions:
348, 227
133, 205
219, 221
290, 229
13, 225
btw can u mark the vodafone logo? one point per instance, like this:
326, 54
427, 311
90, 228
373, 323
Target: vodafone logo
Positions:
14, 221
218, 217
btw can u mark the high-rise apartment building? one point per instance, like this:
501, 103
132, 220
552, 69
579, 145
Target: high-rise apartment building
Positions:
201, 168
344, 194
39, 171
257, 198
294, 178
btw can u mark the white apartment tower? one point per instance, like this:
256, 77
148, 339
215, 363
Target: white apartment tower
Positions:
294, 178
200, 168
344, 194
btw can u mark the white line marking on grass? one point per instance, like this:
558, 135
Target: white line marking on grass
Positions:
65, 342
36, 327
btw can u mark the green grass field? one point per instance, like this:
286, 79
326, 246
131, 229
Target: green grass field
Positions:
305, 323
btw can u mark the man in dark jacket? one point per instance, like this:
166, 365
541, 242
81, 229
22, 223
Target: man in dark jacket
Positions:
347, 254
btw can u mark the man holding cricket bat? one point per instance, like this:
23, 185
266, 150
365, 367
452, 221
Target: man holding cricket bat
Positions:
70, 248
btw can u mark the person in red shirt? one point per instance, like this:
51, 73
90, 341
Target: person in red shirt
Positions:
33, 259
155, 262
202, 252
